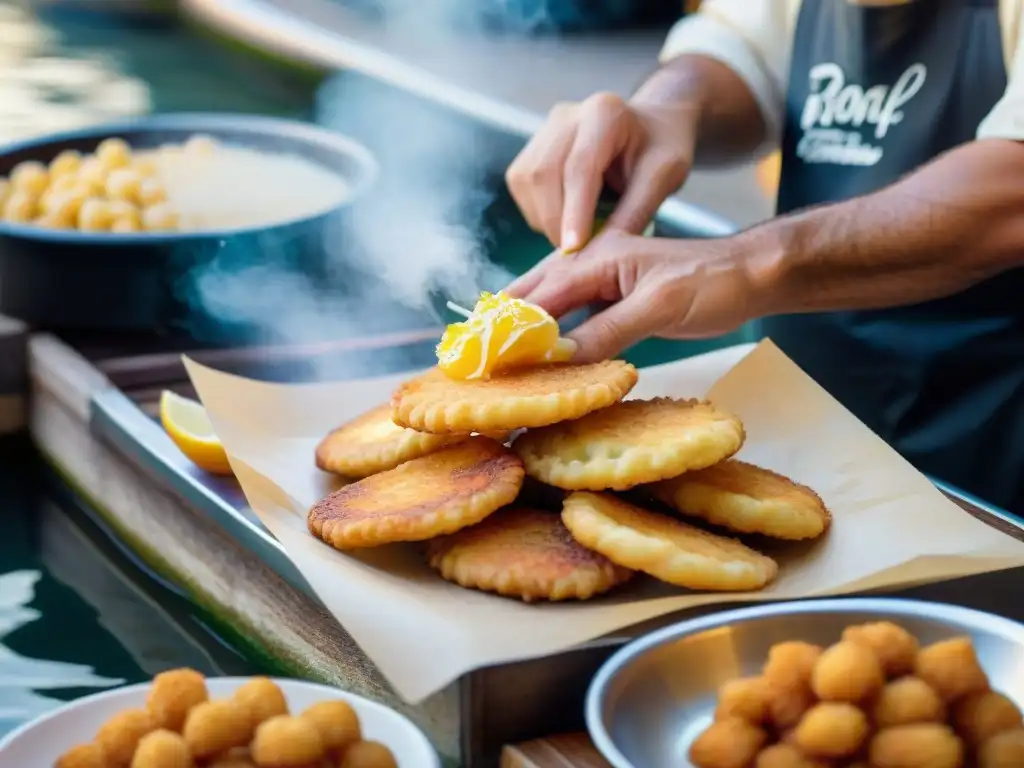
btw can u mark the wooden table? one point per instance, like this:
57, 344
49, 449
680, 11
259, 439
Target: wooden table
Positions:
568, 750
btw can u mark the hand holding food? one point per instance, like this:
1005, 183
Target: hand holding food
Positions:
182, 727
873, 699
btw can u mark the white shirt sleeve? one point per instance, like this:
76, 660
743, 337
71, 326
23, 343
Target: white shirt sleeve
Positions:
751, 37
1006, 120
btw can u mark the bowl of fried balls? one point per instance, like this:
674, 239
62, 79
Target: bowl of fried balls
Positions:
182, 719
109, 227
844, 683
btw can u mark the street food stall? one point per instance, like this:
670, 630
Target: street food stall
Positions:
110, 390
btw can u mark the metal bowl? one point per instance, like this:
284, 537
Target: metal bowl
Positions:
651, 699
134, 282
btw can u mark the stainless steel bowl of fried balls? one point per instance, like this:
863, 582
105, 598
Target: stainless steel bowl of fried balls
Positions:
860, 683
113, 189
183, 726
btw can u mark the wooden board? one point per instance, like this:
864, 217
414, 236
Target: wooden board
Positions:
569, 750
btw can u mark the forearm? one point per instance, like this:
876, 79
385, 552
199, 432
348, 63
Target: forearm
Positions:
953, 223
708, 100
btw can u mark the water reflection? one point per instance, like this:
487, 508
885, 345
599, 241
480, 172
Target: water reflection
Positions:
21, 676
46, 87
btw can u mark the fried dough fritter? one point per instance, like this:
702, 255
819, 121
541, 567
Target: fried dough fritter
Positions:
261, 698
893, 645
847, 671
748, 499
216, 726
980, 716
663, 547
162, 749
120, 735
532, 397
373, 443
284, 741
82, 756
1005, 750
437, 494
368, 754
336, 722
921, 745
630, 443
951, 667
172, 694
524, 553
729, 743
908, 700
785, 756
831, 730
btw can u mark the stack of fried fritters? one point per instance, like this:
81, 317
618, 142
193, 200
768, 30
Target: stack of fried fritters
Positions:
433, 466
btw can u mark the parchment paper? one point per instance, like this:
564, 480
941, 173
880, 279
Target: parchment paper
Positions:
891, 526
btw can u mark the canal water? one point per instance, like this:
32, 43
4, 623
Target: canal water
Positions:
77, 615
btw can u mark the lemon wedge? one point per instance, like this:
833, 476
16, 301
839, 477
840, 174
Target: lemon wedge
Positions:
189, 427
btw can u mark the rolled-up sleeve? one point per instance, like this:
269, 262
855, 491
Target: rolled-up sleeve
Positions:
751, 37
1006, 120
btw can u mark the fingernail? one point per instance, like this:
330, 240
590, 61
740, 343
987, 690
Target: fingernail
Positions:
571, 242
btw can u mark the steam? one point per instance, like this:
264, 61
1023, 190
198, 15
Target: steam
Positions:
418, 239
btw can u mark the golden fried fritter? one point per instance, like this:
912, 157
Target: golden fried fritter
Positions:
373, 443
785, 756
524, 553
893, 645
172, 694
790, 664
336, 722
216, 726
368, 754
120, 735
729, 743
748, 499
746, 697
162, 749
437, 494
284, 742
951, 667
261, 698
978, 717
848, 672
82, 756
667, 549
908, 700
831, 729
630, 443
532, 397
922, 745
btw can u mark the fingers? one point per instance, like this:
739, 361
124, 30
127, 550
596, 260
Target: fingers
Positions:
526, 283
618, 327
601, 136
655, 176
535, 177
569, 283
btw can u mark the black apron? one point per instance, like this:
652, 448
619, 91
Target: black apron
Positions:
875, 92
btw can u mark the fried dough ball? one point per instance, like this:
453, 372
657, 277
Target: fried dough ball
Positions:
747, 697
921, 745
951, 667
159, 218
368, 754
151, 192
123, 184
92, 174
336, 722
787, 705
30, 177
847, 671
785, 756
978, 717
284, 742
172, 694
831, 729
65, 164
120, 735
1003, 751
790, 664
261, 699
162, 749
114, 153
908, 700
94, 215
83, 756
20, 208
731, 743
216, 726
892, 644
63, 207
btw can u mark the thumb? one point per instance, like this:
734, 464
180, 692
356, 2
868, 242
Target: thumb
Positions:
655, 177
617, 328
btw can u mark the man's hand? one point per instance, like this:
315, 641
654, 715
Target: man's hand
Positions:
644, 151
675, 289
